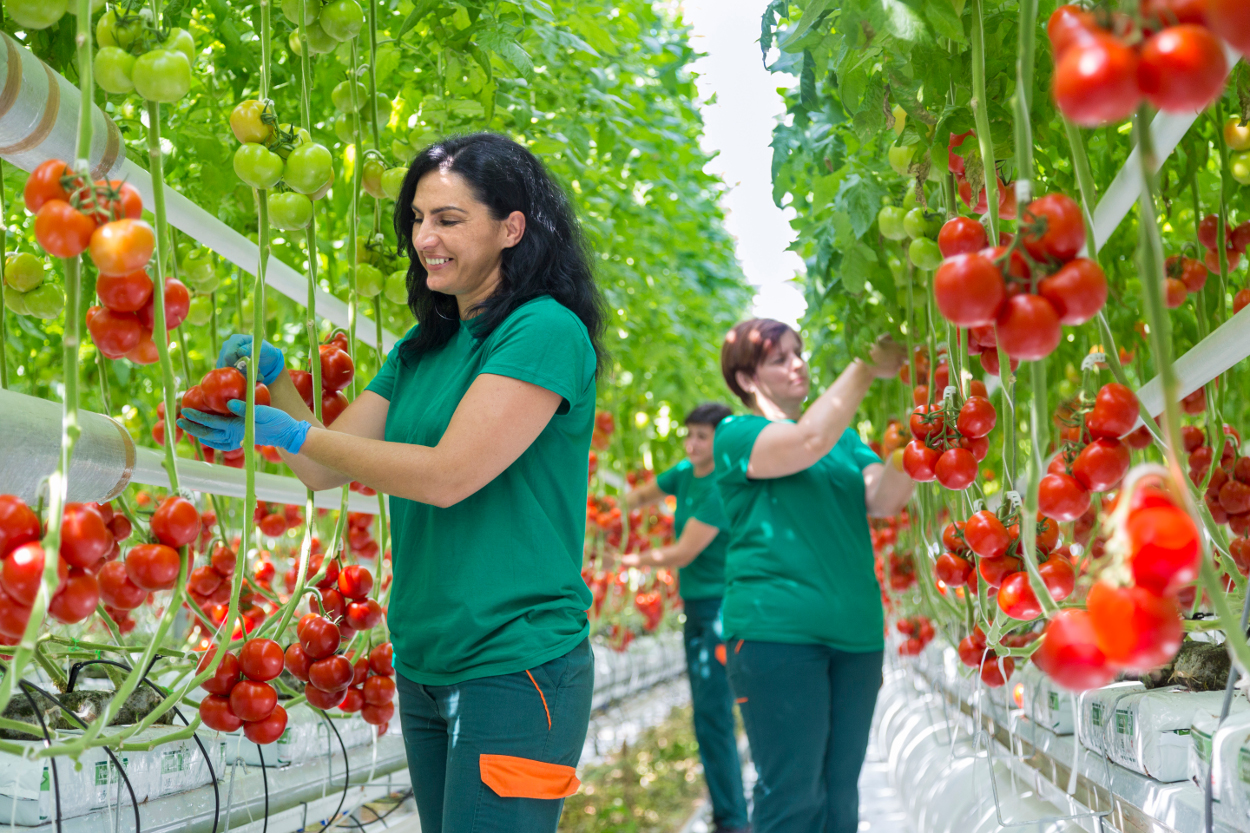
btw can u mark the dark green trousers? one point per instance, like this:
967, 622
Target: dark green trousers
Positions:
808, 715
714, 713
497, 754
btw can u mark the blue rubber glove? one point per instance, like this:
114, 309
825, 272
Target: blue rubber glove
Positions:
239, 346
273, 427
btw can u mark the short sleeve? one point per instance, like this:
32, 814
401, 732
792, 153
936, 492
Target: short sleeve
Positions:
859, 451
668, 481
384, 383
711, 512
732, 445
543, 343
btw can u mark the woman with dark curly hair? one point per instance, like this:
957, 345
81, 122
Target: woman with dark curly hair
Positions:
478, 426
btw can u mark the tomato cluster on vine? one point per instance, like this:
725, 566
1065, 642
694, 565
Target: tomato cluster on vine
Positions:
1015, 296
273, 154
136, 56
949, 441
27, 290
337, 372
240, 693
1107, 63
919, 632
1226, 485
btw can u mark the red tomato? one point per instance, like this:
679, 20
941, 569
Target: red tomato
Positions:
45, 184
23, 572
364, 615
1101, 464
115, 333
1165, 548
319, 699
18, 523
353, 700
177, 306
252, 701
995, 673
146, 352
337, 368
153, 567
1059, 231
226, 675
1212, 260
267, 730
297, 661
1069, 652
216, 714
303, 382
262, 398
319, 636
1017, 599
1061, 497
1188, 271
1068, 25
986, 535
971, 652
85, 538
1115, 412
956, 469
952, 569
1182, 69
273, 525
333, 403
994, 570
122, 246
116, 588
1175, 293
969, 290
379, 691
920, 462
261, 659
124, 293
961, 236
333, 673
355, 581
1231, 18
126, 201
952, 537
381, 659
76, 599
204, 580
176, 522
220, 386
62, 230
1077, 291
1096, 81
378, 715
976, 417
1028, 327
1135, 628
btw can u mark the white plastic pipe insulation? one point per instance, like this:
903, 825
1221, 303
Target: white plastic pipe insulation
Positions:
106, 460
39, 121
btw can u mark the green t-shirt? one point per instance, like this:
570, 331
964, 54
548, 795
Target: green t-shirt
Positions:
799, 568
493, 585
697, 497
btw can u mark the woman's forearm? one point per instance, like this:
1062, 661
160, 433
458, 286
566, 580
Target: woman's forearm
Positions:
284, 395
891, 489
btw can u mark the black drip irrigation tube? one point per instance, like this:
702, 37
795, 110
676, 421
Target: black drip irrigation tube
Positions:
347, 772
264, 827
360, 825
73, 676
47, 742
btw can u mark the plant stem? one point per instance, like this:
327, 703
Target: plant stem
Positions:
980, 111
1023, 103
4, 247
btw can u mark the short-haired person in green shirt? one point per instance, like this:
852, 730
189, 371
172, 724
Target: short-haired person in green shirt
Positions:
702, 535
478, 426
802, 612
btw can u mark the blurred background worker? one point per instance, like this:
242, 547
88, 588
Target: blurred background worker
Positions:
702, 537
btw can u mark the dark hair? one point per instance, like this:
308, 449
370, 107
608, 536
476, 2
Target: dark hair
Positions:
709, 413
550, 259
744, 350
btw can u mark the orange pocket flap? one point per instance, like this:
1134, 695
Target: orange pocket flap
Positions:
513, 777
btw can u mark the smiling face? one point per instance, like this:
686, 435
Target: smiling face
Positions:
459, 242
699, 444
782, 377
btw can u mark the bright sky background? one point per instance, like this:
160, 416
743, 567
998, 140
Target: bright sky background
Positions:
740, 125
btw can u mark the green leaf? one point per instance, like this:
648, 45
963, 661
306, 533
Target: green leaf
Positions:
860, 198
946, 22
420, 10
811, 14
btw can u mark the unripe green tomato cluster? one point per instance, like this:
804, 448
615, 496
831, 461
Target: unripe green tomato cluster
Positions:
273, 153
396, 288
369, 280
197, 268
27, 292
326, 26
162, 74
40, 14
918, 225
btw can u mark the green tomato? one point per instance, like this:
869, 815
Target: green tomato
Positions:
1239, 166
180, 40
309, 168
319, 43
900, 119
393, 181
341, 95
113, 68
198, 269
201, 311
162, 75
289, 137
371, 176
909, 199
289, 211
925, 254
123, 32
342, 19
369, 280
36, 14
16, 302
258, 166
900, 158
290, 8
384, 108
920, 223
23, 271
344, 128
396, 289
45, 301
890, 223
